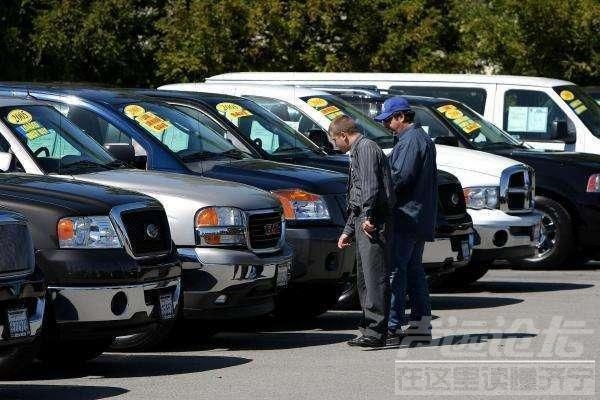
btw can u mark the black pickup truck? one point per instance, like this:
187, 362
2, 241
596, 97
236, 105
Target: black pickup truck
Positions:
107, 257
22, 295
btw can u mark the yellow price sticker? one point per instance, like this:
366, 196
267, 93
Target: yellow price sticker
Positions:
316, 102
19, 117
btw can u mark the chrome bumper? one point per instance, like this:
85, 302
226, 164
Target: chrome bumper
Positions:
440, 251
35, 320
96, 304
500, 230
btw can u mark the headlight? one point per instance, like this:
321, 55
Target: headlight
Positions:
481, 197
593, 185
95, 232
220, 226
302, 206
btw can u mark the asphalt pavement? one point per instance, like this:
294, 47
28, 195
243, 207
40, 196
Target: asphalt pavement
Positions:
515, 333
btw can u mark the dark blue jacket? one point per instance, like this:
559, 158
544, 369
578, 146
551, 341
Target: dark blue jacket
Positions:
414, 175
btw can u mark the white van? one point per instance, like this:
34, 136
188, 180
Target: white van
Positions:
545, 113
506, 233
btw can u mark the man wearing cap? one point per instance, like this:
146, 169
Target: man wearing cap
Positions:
414, 176
370, 198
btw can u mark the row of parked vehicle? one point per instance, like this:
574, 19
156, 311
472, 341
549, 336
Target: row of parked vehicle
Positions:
128, 211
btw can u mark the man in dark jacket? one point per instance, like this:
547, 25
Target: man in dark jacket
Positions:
414, 176
370, 197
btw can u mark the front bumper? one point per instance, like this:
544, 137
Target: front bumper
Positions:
27, 292
227, 284
448, 253
85, 312
317, 259
505, 236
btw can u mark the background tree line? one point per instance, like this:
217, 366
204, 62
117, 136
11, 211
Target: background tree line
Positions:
142, 43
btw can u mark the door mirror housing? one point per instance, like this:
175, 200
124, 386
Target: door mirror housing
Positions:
446, 140
121, 151
5, 161
560, 131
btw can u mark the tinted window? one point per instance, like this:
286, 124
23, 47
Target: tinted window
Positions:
528, 114
473, 97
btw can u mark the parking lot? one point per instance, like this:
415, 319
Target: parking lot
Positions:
506, 316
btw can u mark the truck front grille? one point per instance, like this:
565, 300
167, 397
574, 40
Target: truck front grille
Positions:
517, 189
16, 249
265, 230
147, 231
451, 200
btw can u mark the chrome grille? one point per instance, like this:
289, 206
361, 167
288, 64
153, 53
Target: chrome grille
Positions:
517, 189
16, 248
265, 230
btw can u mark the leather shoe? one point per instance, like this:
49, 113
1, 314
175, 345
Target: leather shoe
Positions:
366, 341
410, 335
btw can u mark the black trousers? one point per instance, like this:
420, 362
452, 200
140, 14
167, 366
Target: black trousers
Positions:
373, 277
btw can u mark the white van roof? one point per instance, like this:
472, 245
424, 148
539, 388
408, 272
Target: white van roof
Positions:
278, 91
297, 77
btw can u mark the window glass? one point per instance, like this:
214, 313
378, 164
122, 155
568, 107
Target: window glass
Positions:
528, 114
583, 105
473, 97
429, 123
55, 143
283, 110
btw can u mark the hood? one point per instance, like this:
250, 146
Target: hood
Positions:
72, 197
480, 162
336, 162
196, 190
270, 175
533, 157
183, 195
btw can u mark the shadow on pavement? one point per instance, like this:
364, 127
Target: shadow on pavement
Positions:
62, 392
470, 302
261, 341
471, 338
520, 287
116, 365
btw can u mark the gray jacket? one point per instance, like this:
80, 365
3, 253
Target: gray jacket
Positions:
414, 176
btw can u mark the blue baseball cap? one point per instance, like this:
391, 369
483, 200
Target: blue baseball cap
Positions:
392, 106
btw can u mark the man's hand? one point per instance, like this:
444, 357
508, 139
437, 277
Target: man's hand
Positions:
368, 228
344, 241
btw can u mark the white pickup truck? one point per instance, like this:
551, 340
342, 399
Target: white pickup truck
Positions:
499, 191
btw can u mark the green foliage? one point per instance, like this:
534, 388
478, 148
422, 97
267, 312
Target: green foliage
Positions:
141, 43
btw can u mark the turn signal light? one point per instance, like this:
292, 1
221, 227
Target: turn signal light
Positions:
66, 229
288, 197
207, 217
593, 185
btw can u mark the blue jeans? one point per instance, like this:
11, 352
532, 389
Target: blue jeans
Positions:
408, 275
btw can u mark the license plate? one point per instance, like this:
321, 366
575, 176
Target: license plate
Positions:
166, 306
466, 249
18, 324
282, 275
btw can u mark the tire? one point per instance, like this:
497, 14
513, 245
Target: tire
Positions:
556, 241
460, 278
14, 360
149, 339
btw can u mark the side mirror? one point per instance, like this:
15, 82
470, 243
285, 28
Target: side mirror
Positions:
5, 161
446, 140
121, 151
319, 137
560, 131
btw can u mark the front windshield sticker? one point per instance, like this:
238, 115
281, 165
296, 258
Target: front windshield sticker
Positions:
146, 119
19, 117
321, 105
316, 102
567, 95
232, 110
458, 118
32, 130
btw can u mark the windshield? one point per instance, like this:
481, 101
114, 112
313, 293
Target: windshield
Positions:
331, 107
263, 128
583, 105
483, 135
189, 138
54, 142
